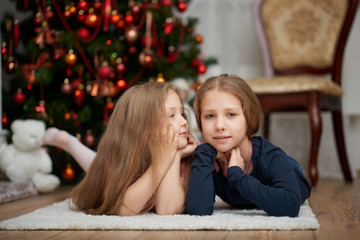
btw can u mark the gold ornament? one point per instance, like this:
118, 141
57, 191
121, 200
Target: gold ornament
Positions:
70, 57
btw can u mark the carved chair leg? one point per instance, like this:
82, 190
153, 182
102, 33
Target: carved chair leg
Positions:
316, 127
266, 125
340, 143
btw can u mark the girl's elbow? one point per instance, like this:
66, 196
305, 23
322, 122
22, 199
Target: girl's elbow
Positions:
200, 210
125, 211
170, 210
292, 212
289, 211
290, 207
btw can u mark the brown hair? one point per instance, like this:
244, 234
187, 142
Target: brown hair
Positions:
240, 89
123, 153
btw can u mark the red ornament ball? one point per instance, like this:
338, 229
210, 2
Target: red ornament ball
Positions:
83, 33
19, 97
83, 5
5, 121
3, 49
129, 19
168, 27
201, 69
81, 16
195, 63
79, 97
106, 72
166, 3
97, 5
181, 6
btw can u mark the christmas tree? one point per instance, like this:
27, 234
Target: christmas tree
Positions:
81, 55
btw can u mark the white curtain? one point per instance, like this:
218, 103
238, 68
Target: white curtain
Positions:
227, 28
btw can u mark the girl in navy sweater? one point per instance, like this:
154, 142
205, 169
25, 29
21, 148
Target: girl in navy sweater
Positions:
243, 170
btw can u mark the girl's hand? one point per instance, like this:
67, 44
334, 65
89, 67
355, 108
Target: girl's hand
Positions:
236, 159
164, 146
222, 160
229, 159
190, 148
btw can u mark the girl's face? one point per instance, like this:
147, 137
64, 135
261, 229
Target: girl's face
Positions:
222, 120
175, 112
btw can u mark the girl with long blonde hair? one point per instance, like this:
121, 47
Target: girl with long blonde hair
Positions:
142, 160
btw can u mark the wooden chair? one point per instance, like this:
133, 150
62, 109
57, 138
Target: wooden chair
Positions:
302, 45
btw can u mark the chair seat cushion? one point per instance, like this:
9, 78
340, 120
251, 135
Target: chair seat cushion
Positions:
294, 84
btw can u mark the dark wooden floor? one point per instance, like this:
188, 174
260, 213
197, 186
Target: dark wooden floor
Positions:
335, 203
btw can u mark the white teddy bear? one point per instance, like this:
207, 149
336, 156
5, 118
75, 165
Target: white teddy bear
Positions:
25, 159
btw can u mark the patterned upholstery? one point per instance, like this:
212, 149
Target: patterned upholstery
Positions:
302, 32
294, 84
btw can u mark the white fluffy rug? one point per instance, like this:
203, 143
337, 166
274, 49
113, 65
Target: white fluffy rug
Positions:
60, 216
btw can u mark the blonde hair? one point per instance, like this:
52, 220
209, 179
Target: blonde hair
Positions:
123, 153
240, 89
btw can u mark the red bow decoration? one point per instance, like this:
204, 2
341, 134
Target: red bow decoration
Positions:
28, 70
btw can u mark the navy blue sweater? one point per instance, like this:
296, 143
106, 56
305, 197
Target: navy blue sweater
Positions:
275, 185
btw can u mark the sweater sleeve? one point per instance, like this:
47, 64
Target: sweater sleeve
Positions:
280, 196
200, 196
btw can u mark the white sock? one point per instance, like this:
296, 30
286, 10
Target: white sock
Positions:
62, 139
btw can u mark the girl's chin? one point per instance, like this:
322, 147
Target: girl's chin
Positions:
181, 145
222, 149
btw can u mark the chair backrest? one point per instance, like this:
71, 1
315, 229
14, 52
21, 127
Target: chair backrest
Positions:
303, 36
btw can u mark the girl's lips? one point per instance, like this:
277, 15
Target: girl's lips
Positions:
221, 138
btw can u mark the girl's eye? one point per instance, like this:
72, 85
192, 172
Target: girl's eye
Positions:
231, 114
171, 115
209, 116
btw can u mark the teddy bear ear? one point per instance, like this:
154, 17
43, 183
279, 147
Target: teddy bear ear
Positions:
16, 124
